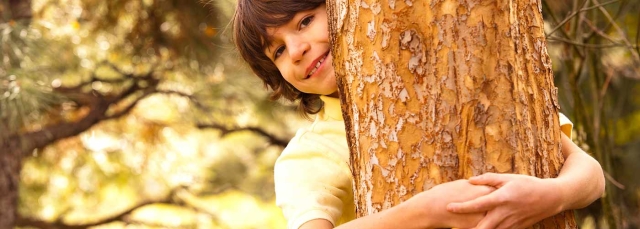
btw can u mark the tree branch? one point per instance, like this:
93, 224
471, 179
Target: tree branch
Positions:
225, 130
623, 35
99, 105
555, 19
576, 13
122, 216
126, 110
50, 134
58, 224
587, 45
191, 98
94, 78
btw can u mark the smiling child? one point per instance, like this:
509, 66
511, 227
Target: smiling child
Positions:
286, 44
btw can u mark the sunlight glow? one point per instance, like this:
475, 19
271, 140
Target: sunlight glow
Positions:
96, 85
245, 118
60, 182
233, 207
168, 215
56, 83
99, 141
48, 212
86, 63
181, 179
68, 161
103, 162
81, 52
104, 45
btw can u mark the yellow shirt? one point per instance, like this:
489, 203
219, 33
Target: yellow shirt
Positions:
312, 175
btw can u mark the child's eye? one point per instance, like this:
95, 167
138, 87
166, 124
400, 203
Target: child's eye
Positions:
278, 52
305, 22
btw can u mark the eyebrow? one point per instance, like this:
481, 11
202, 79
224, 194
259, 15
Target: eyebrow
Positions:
266, 47
269, 38
268, 41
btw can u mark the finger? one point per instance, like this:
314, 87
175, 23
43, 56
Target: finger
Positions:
490, 221
511, 223
491, 179
504, 226
480, 204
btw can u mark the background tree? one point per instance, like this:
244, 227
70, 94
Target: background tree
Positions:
80, 64
594, 45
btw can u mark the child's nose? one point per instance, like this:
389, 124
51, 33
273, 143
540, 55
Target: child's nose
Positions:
297, 49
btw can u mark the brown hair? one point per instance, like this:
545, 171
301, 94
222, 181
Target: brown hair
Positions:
250, 23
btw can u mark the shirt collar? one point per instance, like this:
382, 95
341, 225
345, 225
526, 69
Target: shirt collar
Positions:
331, 108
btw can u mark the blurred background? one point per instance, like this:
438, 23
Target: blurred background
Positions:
140, 114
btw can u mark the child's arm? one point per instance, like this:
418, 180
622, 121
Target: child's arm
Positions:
425, 210
311, 189
521, 200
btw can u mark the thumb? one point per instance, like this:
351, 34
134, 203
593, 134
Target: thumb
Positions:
490, 179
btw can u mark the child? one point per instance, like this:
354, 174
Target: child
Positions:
286, 43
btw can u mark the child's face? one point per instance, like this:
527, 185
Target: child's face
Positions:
301, 51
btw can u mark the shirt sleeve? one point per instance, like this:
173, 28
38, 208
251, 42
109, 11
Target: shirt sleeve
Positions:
566, 126
311, 182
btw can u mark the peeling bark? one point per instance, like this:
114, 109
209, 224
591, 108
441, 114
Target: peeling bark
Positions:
435, 91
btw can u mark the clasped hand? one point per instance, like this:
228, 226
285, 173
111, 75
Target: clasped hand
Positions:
489, 201
518, 201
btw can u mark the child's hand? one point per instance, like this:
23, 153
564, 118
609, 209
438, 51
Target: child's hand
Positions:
519, 201
431, 204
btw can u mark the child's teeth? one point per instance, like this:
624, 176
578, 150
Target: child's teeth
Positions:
317, 65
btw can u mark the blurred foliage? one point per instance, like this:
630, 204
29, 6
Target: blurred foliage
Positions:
595, 51
189, 139
172, 153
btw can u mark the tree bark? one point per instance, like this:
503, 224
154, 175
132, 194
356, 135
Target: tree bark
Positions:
439, 90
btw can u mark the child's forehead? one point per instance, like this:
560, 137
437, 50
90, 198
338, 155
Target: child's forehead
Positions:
257, 19
267, 37
256, 31
271, 32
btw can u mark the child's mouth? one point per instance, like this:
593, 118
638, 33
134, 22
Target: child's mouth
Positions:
318, 64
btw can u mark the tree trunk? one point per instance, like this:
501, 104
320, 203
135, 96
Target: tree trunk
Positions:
435, 91
10, 163
10, 150
20, 9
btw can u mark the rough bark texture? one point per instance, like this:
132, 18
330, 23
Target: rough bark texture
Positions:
435, 91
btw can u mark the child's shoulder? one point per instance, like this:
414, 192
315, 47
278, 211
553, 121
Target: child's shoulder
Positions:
320, 139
